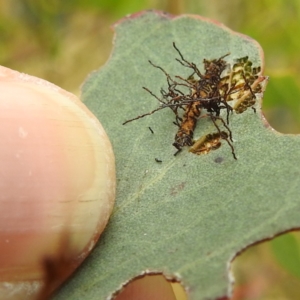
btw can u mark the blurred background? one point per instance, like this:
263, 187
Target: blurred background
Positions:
63, 41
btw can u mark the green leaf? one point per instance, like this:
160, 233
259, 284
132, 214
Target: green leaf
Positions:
188, 216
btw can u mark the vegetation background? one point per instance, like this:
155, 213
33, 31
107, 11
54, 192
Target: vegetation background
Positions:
63, 41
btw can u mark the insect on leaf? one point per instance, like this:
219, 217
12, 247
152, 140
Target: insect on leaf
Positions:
188, 215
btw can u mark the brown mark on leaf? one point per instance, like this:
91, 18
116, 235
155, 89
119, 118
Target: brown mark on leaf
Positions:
177, 188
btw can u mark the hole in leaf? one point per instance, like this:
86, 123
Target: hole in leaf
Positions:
269, 270
281, 103
151, 286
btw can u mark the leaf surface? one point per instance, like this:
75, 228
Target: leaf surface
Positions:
189, 215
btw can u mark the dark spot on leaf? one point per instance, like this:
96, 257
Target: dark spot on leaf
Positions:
151, 130
219, 160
